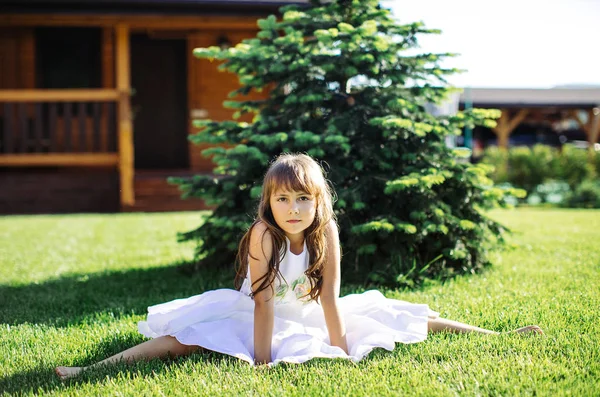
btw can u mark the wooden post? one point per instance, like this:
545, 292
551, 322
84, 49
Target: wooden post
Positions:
506, 126
503, 140
125, 124
501, 129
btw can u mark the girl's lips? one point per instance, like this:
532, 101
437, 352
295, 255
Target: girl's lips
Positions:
294, 221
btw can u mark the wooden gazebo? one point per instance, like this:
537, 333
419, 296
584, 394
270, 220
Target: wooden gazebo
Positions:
550, 106
97, 98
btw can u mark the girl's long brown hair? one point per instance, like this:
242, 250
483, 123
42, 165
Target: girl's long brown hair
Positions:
292, 172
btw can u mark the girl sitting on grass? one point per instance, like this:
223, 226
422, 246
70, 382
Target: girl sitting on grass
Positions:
287, 306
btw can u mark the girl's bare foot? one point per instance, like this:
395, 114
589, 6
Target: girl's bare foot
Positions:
67, 372
528, 330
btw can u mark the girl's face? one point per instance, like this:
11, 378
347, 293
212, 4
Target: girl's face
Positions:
294, 211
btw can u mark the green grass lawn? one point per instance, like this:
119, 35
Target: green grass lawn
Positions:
72, 289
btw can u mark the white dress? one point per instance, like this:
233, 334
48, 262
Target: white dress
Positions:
223, 320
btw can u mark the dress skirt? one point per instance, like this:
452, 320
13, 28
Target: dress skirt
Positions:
223, 321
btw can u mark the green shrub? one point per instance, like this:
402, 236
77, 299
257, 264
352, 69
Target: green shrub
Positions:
586, 195
596, 162
576, 165
521, 166
497, 158
528, 168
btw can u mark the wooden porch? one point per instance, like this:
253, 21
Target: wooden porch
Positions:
61, 136
57, 128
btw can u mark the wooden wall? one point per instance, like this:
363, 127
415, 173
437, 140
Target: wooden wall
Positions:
58, 190
108, 57
17, 58
209, 87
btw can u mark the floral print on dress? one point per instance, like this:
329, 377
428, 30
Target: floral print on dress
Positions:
298, 291
301, 288
282, 290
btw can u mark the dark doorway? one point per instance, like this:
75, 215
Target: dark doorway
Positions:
159, 102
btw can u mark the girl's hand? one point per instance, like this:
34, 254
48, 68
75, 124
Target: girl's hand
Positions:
263, 367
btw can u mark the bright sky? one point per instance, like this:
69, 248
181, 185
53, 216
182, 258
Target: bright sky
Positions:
511, 43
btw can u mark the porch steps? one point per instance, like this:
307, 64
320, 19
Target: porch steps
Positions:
154, 194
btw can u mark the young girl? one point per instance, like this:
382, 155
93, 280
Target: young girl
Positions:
287, 307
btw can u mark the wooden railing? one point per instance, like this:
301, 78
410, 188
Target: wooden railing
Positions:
58, 127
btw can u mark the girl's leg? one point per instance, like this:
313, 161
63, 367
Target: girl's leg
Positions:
439, 324
164, 346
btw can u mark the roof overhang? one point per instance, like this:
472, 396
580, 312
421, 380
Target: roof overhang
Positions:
533, 98
142, 6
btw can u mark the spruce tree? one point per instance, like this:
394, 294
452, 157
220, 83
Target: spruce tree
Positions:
344, 87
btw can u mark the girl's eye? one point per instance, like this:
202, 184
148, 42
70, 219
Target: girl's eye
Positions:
304, 198
281, 199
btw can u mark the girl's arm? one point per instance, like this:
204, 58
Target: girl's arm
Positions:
261, 248
330, 291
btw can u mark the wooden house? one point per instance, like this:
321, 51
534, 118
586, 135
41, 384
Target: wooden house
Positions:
97, 99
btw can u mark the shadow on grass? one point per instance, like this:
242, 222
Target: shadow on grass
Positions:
82, 298
77, 298
43, 379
